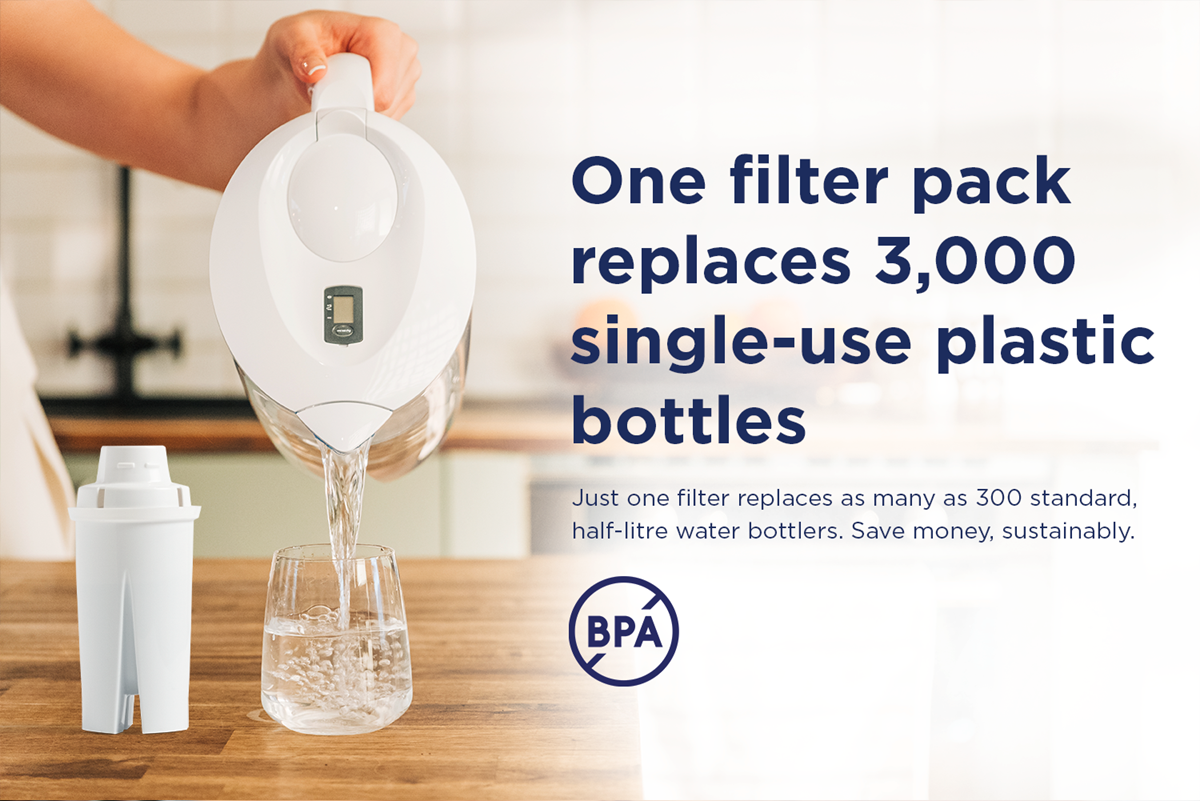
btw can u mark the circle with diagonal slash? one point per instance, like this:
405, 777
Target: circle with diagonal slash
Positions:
646, 608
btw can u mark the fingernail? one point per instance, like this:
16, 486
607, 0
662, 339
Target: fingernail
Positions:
307, 71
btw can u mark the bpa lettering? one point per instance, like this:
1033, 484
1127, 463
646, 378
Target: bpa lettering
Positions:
623, 626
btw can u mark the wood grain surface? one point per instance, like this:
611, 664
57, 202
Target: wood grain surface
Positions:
500, 709
474, 428
543, 431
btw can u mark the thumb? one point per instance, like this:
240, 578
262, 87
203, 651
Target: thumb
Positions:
300, 43
309, 65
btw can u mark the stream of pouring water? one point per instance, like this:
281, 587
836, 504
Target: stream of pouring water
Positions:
345, 475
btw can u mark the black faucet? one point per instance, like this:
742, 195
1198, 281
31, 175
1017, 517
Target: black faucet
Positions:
124, 343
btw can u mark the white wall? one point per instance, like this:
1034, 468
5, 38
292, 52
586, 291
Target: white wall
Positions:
461, 504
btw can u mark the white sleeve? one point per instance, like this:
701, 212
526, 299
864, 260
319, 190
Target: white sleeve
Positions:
35, 490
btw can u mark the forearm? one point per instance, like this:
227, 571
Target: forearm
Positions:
103, 90
71, 71
223, 127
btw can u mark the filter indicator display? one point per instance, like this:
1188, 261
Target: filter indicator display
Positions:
343, 309
343, 312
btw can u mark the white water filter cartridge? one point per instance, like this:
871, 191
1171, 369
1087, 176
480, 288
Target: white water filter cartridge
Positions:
133, 571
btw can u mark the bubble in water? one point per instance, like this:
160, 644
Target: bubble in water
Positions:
355, 689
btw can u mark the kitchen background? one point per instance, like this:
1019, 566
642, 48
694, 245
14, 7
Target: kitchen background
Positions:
1040, 672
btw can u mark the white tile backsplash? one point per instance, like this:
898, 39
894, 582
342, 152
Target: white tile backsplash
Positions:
420, 19
518, 17
47, 315
149, 19
172, 254
81, 253
77, 192
515, 92
156, 198
443, 68
25, 252
256, 16
205, 368
542, 68
499, 128
513, 190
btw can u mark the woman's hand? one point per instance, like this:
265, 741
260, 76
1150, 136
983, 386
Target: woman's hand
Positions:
299, 46
71, 71
251, 98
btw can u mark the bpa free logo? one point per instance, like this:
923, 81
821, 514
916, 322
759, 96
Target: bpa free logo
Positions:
623, 631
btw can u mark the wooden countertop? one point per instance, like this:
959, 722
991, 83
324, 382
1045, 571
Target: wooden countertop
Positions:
500, 708
532, 429
487, 428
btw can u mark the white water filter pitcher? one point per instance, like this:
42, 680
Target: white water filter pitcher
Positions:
133, 578
342, 268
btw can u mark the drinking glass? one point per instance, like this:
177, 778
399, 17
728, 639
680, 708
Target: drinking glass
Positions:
335, 652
